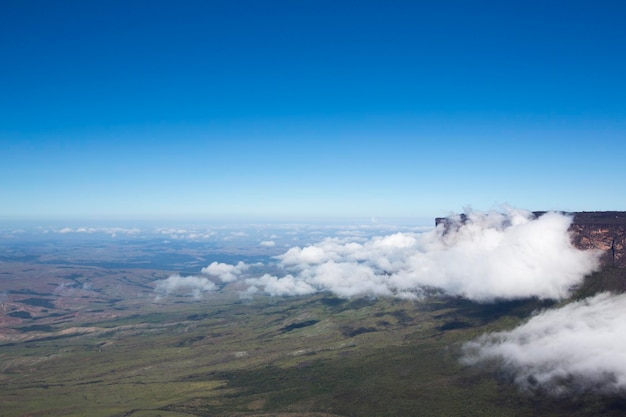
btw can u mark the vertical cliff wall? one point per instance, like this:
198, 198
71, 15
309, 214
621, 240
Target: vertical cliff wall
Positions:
601, 230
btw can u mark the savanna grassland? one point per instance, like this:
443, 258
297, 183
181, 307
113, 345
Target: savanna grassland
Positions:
85, 340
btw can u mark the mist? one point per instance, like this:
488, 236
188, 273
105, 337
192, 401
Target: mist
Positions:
192, 285
576, 348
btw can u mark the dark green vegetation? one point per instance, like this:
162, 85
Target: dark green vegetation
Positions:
609, 279
312, 356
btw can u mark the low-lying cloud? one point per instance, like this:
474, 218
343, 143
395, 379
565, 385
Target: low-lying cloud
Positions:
579, 347
190, 285
195, 285
113, 231
484, 257
226, 272
489, 256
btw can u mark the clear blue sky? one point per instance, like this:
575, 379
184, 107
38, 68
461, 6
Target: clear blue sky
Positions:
292, 109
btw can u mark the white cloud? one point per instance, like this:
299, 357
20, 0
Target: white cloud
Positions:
192, 284
268, 243
490, 256
113, 231
579, 347
186, 234
226, 272
287, 285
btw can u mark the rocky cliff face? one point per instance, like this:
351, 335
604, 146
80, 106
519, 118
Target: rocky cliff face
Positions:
602, 230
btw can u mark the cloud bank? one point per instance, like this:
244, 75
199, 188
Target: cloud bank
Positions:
489, 256
579, 347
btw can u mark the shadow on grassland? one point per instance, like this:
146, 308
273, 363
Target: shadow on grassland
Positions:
421, 377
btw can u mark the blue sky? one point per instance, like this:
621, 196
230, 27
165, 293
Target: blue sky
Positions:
309, 109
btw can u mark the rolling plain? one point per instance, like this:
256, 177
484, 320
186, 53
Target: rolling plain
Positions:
83, 333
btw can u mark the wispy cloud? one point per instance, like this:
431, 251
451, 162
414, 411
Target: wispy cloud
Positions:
112, 231
191, 285
178, 233
579, 347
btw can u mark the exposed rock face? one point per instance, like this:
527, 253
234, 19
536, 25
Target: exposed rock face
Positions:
603, 230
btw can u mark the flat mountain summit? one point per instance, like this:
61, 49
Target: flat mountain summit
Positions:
600, 230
